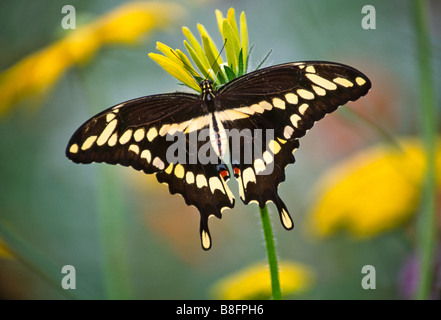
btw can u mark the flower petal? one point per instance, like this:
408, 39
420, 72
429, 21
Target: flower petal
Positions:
244, 38
194, 43
175, 70
254, 281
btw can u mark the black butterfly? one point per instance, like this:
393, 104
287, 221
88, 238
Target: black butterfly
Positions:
275, 106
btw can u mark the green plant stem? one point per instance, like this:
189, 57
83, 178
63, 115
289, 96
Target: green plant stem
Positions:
111, 221
271, 252
426, 233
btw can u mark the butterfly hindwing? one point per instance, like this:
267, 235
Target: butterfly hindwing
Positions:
202, 185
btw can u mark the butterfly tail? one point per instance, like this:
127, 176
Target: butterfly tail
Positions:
205, 233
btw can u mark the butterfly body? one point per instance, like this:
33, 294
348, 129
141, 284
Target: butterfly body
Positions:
184, 138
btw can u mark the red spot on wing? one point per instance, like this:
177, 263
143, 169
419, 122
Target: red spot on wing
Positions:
224, 174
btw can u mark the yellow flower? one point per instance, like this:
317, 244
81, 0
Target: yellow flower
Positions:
206, 56
36, 73
373, 191
254, 281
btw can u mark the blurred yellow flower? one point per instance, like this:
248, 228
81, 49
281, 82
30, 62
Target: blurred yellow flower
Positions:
254, 282
4, 251
36, 73
373, 191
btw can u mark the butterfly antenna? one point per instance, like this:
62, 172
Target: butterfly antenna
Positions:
218, 56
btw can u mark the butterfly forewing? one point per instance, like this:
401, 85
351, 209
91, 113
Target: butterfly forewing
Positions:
293, 94
133, 130
269, 109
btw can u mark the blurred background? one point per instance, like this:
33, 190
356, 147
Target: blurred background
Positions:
126, 236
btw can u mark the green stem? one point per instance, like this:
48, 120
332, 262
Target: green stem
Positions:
426, 233
271, 252
112, 218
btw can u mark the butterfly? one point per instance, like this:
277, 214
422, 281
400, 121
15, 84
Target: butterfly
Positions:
251, 126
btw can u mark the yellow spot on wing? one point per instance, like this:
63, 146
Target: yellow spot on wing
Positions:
259, 166
360, 81
173, 128
246, 110
164, 129
281, 140
295, 118
268, 157
169, 168
147, 155
257, 108
322, 82
205, 238
108, 130
286, 219
310, 69
303, 108
266, 105
152, 133
198, 123
319, 90
134, 148
292, 98
110, 116
305, 94
113, 139
73, 148
88, 143
139, 134
279, 103
189, 177
215, 183
179, 171
287, 132
230, 115
343, 82
126, 137
274, 146
248, 176
201, 181
183, 125
158, 163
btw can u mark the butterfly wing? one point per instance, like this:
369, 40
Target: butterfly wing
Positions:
146, 134
128, 131
283, 102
